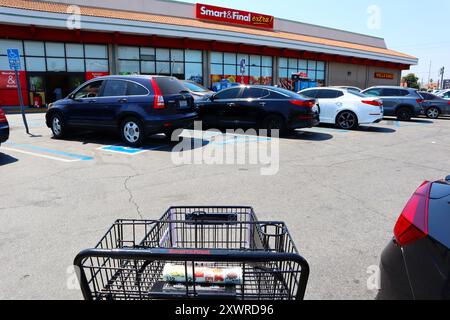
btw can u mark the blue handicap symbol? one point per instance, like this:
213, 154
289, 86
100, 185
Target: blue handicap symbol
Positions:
123, 149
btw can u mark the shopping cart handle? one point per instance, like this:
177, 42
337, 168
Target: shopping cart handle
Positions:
202, 216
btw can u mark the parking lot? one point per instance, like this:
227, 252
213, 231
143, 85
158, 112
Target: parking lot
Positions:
340, 192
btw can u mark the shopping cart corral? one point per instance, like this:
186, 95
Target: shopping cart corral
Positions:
194, 253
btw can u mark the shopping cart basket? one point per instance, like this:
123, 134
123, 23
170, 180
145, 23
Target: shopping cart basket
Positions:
194, 253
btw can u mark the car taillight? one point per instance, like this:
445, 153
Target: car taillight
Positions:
303, 103
2, 116
372, 102
419, 100
158, 102
448, 102
413, 222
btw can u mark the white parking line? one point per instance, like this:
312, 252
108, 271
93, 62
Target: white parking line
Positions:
39, 155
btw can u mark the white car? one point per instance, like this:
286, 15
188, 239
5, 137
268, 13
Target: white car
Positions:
445, 94
346, 109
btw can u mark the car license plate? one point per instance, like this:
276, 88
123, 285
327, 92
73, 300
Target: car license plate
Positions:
183, 104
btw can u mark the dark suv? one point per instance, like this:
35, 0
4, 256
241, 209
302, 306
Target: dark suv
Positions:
136, 106
403, 103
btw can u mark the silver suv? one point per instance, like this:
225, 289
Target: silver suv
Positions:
403, 103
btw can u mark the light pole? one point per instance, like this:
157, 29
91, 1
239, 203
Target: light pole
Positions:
442, 71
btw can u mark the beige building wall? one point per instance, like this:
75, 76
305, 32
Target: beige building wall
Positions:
383, 82
342, 74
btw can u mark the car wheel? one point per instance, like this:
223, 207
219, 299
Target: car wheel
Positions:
274, 122
132, 132
347, 120
433, 113
404, 114
58, 126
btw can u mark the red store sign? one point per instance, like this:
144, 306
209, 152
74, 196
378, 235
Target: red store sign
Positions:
245, 18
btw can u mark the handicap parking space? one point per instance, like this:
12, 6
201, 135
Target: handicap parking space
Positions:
86, 147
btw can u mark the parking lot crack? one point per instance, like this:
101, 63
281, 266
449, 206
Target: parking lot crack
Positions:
131, 198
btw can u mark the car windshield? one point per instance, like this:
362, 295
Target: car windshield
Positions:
195, 87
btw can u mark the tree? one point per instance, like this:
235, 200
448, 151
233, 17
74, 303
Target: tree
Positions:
412, 80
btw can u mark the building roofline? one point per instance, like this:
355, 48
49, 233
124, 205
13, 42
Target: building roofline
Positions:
256, 36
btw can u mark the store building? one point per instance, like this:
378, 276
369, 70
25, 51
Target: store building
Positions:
65, 42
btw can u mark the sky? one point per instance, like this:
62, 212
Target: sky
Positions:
418, 28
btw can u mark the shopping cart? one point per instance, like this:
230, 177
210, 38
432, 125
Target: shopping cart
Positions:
134, 259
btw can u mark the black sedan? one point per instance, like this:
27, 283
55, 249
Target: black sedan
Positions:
416, 263
259, 107
435, 106
4, 127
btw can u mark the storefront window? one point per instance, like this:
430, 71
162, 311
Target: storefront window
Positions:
194, 72
178, 68
34, 48
75, 65
302, 65
177, 55
56, 64
163, 54
193, 56
7, 44
96, 65
54, 49
129, 53
128, 67
35, 64
163, 68
42, 56
96, 51
74, 50
230, 68
148, 67
313, 71
283, 63
4, 63
183, 64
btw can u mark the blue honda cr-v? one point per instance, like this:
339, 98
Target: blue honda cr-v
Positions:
136, 106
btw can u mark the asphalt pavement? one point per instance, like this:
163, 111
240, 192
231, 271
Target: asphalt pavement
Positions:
340, 193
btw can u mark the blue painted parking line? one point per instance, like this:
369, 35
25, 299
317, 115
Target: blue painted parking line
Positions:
21, 147
129, 150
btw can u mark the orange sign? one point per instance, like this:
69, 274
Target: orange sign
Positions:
384, 75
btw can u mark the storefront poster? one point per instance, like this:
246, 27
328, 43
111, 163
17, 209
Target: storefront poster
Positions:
220, 82
8, 88
92, 75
